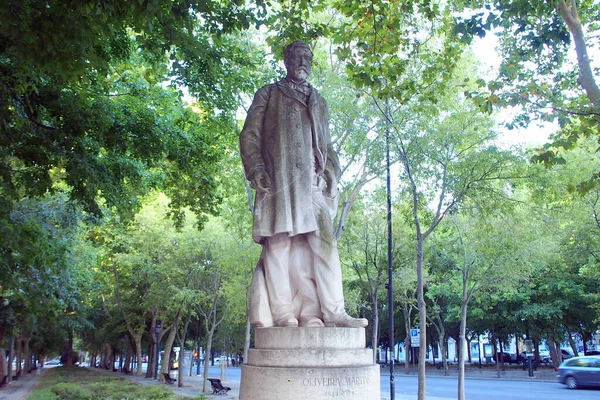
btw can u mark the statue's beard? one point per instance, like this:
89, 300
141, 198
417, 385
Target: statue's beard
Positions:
301, 73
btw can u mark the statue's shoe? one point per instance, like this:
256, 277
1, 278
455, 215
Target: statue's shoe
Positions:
346, 321
313, 323
287, 322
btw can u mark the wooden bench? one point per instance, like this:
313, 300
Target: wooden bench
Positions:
168, 379
217, 387
3, 381
16, 377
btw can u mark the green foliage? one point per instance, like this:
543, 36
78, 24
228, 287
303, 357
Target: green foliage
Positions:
44, 280
397, 50
538, 72
82, 384
103, 124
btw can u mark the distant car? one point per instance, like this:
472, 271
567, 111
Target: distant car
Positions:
503, 357
592, 353
56, 361
578, 372
565, 355
509, 358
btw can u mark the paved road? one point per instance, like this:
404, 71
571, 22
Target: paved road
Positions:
442, 388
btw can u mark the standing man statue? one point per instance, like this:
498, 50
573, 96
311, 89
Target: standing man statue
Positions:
290, 162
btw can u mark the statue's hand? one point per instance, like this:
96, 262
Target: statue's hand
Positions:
261, 181
331, 190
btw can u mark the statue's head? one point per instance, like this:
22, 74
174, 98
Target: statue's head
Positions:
298, 61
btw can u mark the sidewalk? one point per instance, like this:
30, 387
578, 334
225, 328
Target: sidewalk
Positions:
20, 389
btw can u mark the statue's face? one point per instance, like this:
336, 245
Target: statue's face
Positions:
299, 64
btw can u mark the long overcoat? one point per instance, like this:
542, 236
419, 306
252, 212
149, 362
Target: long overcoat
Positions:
287, 135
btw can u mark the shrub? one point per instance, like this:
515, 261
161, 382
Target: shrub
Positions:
70, 391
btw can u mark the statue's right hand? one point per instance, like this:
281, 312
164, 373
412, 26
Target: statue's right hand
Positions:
261, 181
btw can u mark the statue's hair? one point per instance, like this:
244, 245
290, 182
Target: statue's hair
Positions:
290, 47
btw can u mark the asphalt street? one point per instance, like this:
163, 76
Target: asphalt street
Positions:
445, 388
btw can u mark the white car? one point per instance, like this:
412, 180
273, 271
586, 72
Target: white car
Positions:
566, 354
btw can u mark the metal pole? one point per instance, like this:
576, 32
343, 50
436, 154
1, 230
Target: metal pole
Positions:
390, 285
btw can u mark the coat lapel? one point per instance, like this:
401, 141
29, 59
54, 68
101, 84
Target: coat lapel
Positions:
291, 93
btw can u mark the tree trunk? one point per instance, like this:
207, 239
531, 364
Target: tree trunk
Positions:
151, 351
26, 354
462, 343
555, 353
375, 327
3, 364
164, 364
207, 351
422, 318
181, 360
70, 349
445, 356
18, 354
138, 353
586, 75
441, 331
407, 345
495, 344
572, 343
128, 355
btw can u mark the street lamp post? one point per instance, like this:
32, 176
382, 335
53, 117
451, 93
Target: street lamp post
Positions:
158, 330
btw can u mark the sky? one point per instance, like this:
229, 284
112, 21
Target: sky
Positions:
532, 136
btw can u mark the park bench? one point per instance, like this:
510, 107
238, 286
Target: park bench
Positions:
3, 381
126, 371
217, 387
16, 377
168, 379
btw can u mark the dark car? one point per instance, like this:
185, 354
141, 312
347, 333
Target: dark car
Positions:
509, 358
592, 353
503, 357
580, 371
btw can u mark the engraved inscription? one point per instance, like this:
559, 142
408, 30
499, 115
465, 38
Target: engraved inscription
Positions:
347, 381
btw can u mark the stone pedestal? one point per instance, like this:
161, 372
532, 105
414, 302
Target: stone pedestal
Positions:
310, 364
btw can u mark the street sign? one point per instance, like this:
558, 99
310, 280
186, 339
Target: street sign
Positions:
415, 338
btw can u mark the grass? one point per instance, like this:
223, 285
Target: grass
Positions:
76, 383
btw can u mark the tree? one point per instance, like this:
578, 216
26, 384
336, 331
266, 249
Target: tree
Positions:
103, 124
42, 282
538, 72
493, 253
363, 247
400, 54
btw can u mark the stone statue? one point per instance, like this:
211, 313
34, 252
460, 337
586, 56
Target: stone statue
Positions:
290, 162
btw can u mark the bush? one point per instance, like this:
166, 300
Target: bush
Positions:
70, 391
84, 384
